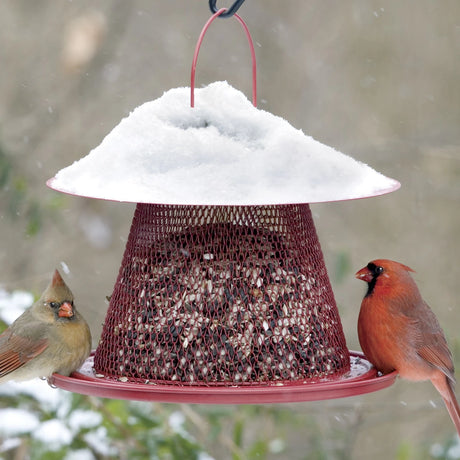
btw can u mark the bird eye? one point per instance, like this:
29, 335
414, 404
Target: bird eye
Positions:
376, 270
54, 305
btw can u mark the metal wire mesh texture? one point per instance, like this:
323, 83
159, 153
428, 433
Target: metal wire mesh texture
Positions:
229, 295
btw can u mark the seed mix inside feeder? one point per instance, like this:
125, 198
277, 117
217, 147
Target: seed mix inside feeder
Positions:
222, 294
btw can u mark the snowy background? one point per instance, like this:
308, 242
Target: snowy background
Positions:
378, 81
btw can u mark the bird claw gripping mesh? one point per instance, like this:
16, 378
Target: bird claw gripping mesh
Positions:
229, 295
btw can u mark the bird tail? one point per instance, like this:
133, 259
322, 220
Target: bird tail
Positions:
452, 406
445, 388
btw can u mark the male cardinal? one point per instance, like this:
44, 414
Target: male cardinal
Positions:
398, 331
50, 336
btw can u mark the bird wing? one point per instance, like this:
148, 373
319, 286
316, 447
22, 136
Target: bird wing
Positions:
438, 356
15, 351
432, 344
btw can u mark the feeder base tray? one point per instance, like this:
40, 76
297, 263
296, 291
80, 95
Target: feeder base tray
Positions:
362, 378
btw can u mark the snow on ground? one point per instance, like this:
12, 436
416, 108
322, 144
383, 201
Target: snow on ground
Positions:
13, 304
50, 398
17, 421
53, 433
224, 151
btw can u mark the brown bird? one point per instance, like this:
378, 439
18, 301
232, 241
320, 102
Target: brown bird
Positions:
398, 331
50, 336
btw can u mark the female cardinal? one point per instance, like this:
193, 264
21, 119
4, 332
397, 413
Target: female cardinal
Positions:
50, 336
398, 331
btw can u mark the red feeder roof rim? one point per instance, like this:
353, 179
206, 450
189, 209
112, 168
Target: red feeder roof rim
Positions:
362, 378
224, 151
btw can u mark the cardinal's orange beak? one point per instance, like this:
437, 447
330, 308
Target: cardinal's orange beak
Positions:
364, 274
65, 310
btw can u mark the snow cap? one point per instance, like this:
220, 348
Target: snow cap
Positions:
224, 151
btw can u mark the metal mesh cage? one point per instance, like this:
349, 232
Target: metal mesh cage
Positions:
230, 295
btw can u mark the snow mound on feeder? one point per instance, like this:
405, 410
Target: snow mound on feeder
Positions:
224, 151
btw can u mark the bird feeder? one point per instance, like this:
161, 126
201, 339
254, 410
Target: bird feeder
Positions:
222, 295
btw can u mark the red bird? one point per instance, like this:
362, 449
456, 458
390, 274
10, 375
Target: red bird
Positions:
398, 331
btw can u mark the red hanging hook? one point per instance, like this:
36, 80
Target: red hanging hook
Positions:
197, 49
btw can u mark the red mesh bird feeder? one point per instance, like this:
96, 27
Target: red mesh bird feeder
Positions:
222, 295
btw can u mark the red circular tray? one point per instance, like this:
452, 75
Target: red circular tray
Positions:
362, 378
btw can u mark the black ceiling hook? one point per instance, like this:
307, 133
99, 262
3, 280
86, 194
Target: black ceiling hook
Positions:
230, 11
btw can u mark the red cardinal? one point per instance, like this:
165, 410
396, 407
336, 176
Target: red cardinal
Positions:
50, 336
398, 331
